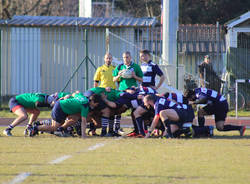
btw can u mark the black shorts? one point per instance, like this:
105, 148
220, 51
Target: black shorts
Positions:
219, 110
183, 115
57, 113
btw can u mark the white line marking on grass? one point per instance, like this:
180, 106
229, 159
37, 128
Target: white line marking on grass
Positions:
60, 159
20, 178
98, 145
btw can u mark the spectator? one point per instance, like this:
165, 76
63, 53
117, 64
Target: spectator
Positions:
209, 77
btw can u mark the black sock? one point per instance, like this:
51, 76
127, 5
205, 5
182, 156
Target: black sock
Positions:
177, 133
140, 126
10, 127
135, 126
231, 127
167, 124
111, 124
105, 122
201, 121
92, 126
117, 122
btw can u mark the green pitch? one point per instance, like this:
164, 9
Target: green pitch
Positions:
49, 159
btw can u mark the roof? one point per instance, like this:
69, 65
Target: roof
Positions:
238, 20
48, 21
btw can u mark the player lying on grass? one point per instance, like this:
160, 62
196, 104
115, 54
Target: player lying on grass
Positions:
72, 108
26, 103
215, 104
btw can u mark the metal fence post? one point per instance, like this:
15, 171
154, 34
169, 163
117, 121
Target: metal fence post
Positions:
177, 60
86, 62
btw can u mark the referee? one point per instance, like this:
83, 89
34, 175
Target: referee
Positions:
103, 76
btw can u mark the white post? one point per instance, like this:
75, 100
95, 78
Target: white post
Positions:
170, 27
85, 8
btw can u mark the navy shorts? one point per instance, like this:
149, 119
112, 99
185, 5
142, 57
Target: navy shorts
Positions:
219, 109
190, 112
183, 115
123, 101
14, 105
57, 113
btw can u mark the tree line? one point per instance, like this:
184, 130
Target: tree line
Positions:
190, 11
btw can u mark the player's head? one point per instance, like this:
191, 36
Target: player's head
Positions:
108, 59
94, 100
149, 100
126, 56
145, 55
207, 59
189, 94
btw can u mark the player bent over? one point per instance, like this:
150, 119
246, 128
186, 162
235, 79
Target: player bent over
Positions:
23, 104
173, 115
70, 108
215, 104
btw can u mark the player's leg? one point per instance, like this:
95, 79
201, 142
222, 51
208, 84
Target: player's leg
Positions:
138, 113
21, 115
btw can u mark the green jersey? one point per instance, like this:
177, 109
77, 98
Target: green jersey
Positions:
28, 100
78, 104
113, 95
62, 94
128, 83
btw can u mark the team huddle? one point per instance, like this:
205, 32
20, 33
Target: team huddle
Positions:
168, 115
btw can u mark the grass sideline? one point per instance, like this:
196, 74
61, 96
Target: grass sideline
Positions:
222, 159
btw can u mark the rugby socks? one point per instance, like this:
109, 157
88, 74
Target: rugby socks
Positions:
111, 124
105, 122
167, 124
231, 127
201, 121
139, 123
10, 127
117, 123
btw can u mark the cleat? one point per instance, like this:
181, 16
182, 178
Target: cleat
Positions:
139, 136
189, 132
242, 130
26, 132
7, 132
132, 134
32, 131
121, 131
103, 133
109, 134
115, 134
211, 131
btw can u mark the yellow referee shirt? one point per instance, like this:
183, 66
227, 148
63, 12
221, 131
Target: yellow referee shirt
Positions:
104, 76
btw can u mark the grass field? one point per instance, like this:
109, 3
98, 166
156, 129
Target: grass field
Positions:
223, 159
47, 113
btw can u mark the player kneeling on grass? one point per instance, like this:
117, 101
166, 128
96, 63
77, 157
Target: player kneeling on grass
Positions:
173, 115
215, 104
71, 109
23, 104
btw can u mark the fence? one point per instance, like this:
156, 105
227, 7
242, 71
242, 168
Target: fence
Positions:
44, 59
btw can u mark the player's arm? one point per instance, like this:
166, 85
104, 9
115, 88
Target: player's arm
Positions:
162, 78
136, 77
84, 125
153, 125
109, 103
117, 78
